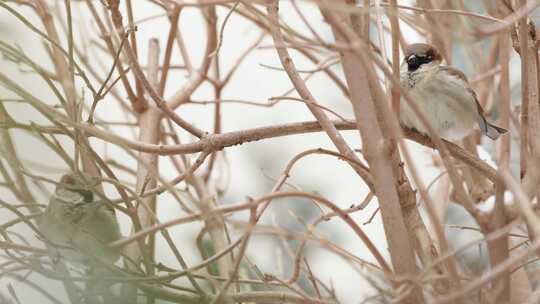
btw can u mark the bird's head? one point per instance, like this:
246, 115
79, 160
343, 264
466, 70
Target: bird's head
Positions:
419, 54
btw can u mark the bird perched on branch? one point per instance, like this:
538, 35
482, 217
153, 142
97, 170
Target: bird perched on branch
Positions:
77, 224
443, 94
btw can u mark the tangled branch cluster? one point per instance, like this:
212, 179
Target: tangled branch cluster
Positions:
97, 59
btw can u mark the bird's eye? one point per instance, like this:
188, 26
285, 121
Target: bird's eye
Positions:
413, 63
88, 196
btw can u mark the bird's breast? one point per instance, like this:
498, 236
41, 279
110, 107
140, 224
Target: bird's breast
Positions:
447, 104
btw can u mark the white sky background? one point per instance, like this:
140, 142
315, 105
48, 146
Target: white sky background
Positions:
253, 164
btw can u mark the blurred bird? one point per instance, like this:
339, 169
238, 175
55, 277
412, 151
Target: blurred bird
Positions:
77, 225
443, 94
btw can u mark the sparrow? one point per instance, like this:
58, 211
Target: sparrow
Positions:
77, 225
443, 93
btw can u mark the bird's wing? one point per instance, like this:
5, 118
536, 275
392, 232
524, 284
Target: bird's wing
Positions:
482, 122
454, 72
460, 75
488, 129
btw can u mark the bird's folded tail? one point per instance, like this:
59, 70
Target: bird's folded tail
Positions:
490, 130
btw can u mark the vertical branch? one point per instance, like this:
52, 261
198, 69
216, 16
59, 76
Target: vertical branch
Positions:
168, 48
383, 160
362, 28
138, 102
70, 41
64, 73
242, 251
215, 225
382, 43
60, 64
436, 30
480, 188
423, 243
302, 89
8, 152
218, 89
520, 288
214, 222
147, 168
534, 101
499, 248
394, 24
504, 91
523, 46
183, 51
196, 77
116, 17
530, 124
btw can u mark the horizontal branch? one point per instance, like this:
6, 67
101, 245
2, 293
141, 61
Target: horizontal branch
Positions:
214, 142
248, 296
